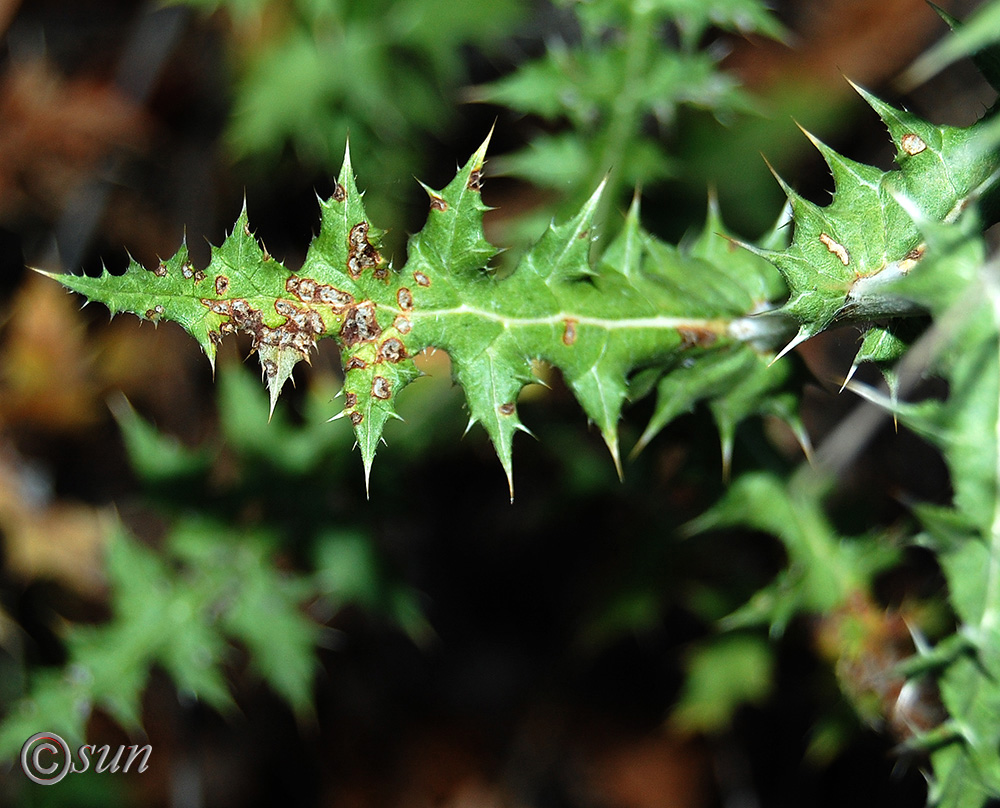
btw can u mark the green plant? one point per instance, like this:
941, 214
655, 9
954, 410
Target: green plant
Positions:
714, 321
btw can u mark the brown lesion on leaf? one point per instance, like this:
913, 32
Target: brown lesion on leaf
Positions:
583, 234
339, 193
154, 313
360, 325
187, 270
357, 418
361, 255
421, 278
298, 332
911, 258
506, 409
221, 285
355, 363
351, 400
475, 182
270, 368
160, 270
437, 203
402, 325
199, 276
392, 350
309, 291
836, 248
246, 228
912, 144
381, 388
695, 337
569, 332
404, 297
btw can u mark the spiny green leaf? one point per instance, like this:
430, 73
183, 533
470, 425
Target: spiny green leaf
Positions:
843, 257
644, 310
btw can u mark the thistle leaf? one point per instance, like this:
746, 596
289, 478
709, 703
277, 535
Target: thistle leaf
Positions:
615, 329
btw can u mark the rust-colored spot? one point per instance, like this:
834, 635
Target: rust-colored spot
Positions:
339, 194
215, 337
360, 324
351, 400
361, 255
221, 284
187, 271
569, 333
837, 249
227, 327
357, 418
912, 144
694, 337
404, 297
392, 350
246, 228
583, 234
270, 368
475, 182
160, 270
402, 325
506, 409
199, 276
155, 312
355, 363
437, 203
421, 278
381, 387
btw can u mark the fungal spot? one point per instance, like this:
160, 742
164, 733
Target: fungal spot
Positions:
437, 203
221, 285
339, 194
392, 350
475, 182
421, 278
362, 255
506, 409
187, 271
357, 418
160, 271
910, 259
583, 234
912, 144
154, 313
270, 368
215, 337
693, 337
246, 228
351, 400
334, 297
360, 325
838, 250
297, 333
569, 333
404, 297
402, 325
199, 276
381, 388
355, 363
